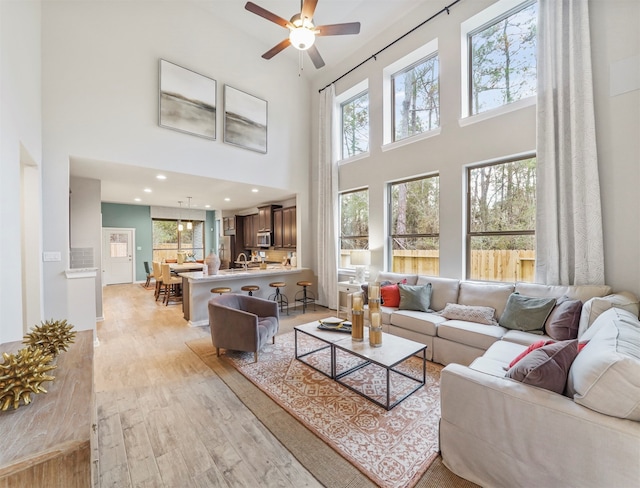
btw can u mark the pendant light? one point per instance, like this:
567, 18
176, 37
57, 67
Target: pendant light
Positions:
189, 224
180, 226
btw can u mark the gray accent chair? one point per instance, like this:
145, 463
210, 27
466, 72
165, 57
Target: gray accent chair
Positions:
242, 323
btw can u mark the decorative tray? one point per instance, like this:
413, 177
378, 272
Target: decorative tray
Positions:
337, 325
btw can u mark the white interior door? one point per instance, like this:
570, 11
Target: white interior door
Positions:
117, 256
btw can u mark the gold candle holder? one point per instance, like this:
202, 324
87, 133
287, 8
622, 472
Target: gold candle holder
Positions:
357, 325
374, 306
375, 330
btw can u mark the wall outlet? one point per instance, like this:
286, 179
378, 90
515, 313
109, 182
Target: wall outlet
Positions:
139, 248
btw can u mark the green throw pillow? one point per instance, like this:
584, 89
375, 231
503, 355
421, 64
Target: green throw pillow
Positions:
526, 313
415, 297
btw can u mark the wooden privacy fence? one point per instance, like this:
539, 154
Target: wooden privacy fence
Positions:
486, 265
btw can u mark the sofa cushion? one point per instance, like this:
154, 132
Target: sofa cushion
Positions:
575, 292
592, 308
606, 375
485, 294
495, 361
443, 290
472, 334
523, 338
562, 323
411, 279
546, 367
421, 322
469, 313
526, 313
415, 297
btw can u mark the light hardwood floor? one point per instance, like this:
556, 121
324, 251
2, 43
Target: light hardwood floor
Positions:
164, 418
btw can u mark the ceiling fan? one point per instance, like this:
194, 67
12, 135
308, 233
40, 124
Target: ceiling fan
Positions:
302, 32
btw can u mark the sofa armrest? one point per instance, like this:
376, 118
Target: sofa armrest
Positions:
500, 432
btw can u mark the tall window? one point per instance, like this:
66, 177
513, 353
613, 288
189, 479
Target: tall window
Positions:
167, 240
502, 59
354, 224
355, 125
416, 98
415, 225
501, 212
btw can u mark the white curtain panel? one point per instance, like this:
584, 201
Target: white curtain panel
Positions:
569, 241
327, 204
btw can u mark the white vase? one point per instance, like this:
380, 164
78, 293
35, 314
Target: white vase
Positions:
213, 263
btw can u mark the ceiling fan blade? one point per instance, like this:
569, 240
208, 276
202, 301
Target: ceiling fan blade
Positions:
256, 9
338, 29
276, 49
308, 8
317, 60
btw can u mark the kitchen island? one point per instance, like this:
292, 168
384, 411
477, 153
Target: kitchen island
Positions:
196, 287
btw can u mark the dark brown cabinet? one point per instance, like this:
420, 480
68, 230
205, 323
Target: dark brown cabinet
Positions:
289, 236
284, 228
265, 218
277, 228
250, 232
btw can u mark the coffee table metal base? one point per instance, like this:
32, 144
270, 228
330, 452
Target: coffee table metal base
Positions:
397, 351
390, 400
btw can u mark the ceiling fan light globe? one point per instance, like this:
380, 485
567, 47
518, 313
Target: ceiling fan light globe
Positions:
302, 38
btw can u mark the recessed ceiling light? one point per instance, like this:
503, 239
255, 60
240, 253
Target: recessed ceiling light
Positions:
227, 199
254, 190
137, 199
161, 177
207, 206
147, 190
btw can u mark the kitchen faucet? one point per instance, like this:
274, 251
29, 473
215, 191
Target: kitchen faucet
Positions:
242, 261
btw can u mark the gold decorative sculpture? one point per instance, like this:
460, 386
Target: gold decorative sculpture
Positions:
22, 374
52, 336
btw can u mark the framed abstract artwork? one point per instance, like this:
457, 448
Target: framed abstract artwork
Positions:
187, 101
245, 120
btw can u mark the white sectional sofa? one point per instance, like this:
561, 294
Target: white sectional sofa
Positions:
499, 432
502, 432
459, 341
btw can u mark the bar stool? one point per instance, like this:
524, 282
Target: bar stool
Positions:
305, 296
281, 298
220, 290
250, 289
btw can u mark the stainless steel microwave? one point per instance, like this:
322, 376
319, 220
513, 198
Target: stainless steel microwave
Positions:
264, 239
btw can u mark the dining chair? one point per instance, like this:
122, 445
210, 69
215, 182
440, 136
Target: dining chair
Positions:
172, 284
150, 274
157, 272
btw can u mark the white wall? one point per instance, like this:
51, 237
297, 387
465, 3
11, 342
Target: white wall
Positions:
20, 145
100, 66
615, 36
615, 41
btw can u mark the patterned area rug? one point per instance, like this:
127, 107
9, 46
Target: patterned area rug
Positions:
393, 448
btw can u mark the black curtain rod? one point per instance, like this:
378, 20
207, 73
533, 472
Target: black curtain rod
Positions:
373, 56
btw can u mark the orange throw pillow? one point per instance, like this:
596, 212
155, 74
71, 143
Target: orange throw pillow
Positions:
390, 295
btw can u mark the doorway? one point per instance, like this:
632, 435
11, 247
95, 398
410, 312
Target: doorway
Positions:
118, 262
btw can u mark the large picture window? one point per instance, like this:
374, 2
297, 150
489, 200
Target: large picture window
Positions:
354, 224
415, 226
355, 125
168, 240
416, 98
501, 211
502, 59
